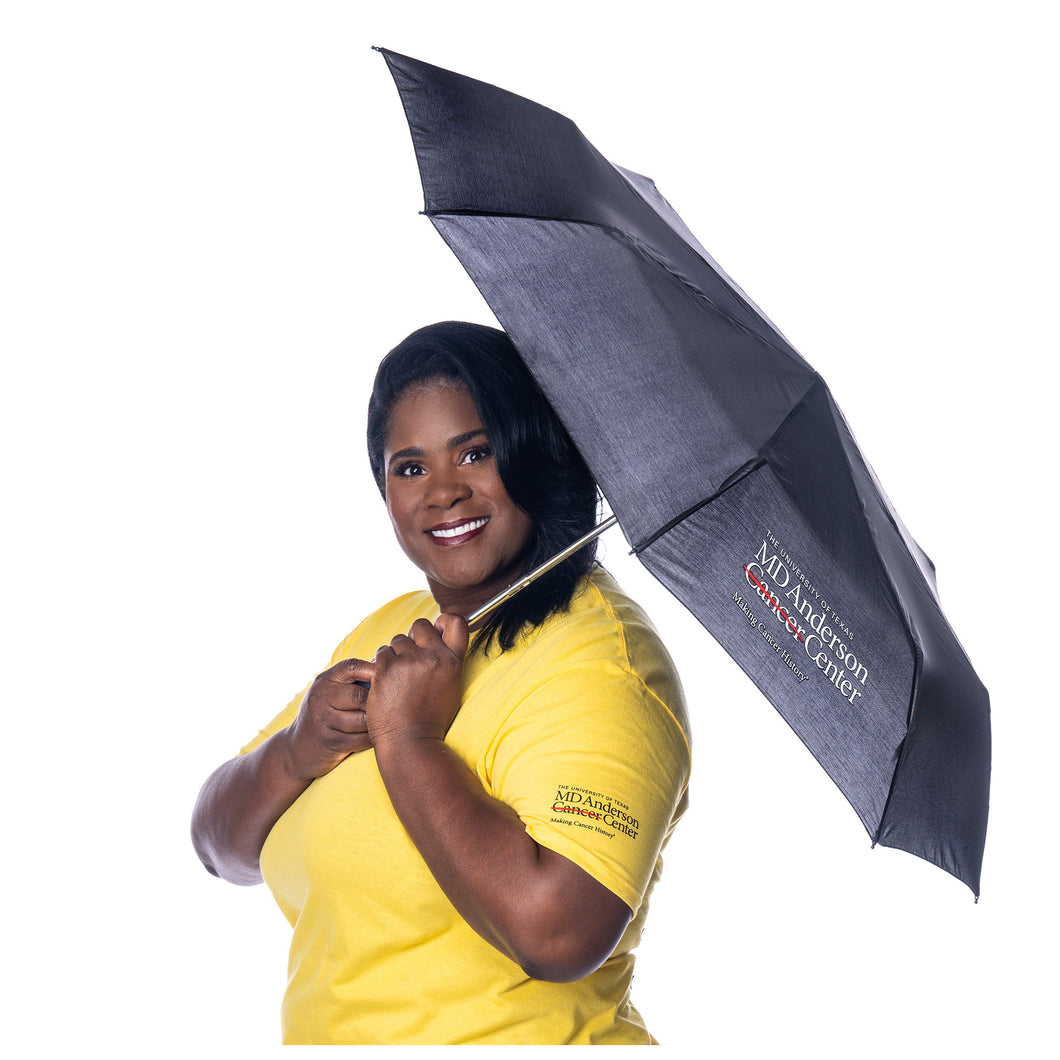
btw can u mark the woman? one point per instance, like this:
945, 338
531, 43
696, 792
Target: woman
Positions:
463, 826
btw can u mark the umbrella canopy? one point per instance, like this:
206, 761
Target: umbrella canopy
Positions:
732, 472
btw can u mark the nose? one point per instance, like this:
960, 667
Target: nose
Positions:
446, 488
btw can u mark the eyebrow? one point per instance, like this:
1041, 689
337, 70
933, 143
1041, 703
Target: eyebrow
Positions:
453, 443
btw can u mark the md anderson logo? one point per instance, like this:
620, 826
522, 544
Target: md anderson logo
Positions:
590, 809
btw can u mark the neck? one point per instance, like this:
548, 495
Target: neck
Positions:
465, 601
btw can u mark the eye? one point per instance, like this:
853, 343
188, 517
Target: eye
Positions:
408, 469
476, 454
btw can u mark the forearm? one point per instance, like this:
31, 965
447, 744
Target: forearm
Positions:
533, 905
238, 806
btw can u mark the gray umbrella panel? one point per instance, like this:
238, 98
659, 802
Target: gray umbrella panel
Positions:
732, 471
597, 316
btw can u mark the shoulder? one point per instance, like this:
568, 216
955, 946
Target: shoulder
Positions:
379, 628
594, 754
606, 640
385, 623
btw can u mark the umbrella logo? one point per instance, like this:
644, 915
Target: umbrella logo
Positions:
843, 668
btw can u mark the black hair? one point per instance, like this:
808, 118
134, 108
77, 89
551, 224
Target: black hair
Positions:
539, 465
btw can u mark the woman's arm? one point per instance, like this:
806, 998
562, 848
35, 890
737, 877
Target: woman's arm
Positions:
534, 905
537, 907
242, 799
237, 807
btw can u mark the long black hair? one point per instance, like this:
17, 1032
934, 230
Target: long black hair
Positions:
539, 465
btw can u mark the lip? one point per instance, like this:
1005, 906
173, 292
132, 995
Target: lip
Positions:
457, 532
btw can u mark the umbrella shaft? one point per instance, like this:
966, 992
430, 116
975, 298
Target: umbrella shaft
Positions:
536, 573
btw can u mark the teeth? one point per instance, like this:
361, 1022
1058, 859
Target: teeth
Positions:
456, 531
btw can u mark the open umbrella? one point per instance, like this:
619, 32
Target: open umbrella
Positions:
729, 466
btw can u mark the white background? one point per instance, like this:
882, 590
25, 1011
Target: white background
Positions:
210, 236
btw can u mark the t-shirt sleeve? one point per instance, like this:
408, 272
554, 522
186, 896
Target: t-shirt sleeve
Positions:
375, 630
281, 721
290, 712
596, 765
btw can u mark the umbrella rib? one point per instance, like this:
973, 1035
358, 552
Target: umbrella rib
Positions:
736, 476
641, 248
741, 472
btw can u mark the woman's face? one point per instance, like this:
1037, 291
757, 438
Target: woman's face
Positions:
450, 511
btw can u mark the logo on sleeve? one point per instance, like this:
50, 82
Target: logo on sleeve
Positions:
590, 809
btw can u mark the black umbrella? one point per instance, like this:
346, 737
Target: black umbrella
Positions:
732, 471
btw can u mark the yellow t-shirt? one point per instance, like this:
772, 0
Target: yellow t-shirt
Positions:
581, 728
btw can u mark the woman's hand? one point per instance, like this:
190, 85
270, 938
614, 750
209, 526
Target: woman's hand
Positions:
416, 682
331, 723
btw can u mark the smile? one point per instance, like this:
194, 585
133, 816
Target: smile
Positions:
459, 530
